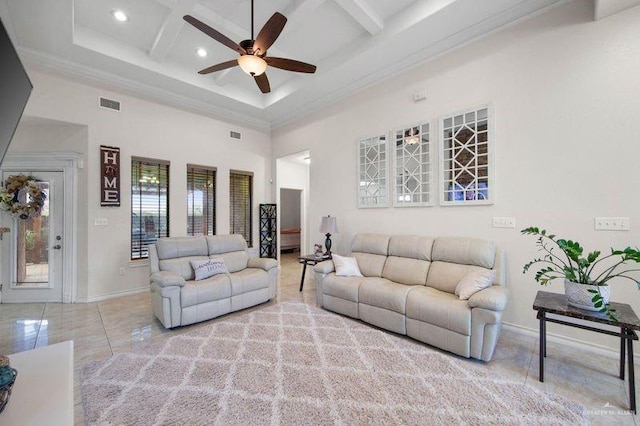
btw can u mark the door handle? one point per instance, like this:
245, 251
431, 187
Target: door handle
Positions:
57, 247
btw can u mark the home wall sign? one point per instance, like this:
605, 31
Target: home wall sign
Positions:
109, 176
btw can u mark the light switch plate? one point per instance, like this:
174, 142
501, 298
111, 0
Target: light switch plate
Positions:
504, 222
100, 221
612, 223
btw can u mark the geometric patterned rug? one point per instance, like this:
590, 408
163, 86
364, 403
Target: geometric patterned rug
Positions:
294, 364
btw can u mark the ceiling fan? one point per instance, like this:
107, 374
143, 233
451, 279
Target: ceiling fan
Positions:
253, 53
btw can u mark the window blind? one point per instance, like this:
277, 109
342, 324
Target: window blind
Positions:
241, 193
149, 204
201, 200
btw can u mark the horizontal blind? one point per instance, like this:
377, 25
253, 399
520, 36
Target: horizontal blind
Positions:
149, 204
241, 192
201, 200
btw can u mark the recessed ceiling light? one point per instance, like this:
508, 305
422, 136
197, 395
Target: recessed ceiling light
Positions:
201, 52
120, 15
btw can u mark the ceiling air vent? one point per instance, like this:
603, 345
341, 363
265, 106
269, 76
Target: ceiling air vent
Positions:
109, 104
235, 135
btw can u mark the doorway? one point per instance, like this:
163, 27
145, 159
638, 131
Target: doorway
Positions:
290, 220
32, 268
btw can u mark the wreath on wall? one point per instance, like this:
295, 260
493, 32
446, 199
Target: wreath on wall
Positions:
15, 190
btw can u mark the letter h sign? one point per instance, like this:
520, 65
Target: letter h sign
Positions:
109, 176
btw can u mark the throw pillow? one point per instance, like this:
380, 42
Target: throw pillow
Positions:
473, 282
209, 267
346, 266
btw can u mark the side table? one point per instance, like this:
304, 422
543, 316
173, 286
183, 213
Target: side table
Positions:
310, 259
554, 303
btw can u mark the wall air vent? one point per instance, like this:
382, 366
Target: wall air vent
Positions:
109, 104
235, 135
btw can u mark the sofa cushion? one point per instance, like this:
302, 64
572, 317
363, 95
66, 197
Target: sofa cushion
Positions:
445, 276
210, 289
382, 293
247, 280
439, 308
411, 246
404, 270
342, 287
235, 261
371, 265
467, 251
346, 266
219, 244
371, 243
473, 282
169, 248
181, 266
208, 268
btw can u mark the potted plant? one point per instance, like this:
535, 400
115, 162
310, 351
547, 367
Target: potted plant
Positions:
586, 279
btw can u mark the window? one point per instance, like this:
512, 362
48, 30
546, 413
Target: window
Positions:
412, 166
241, 193
372, 172
149, 204
201, 200
467, 158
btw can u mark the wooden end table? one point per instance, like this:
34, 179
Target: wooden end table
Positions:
554, 303
310, 259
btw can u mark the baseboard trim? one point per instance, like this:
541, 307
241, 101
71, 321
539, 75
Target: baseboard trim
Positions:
568, 341
112, 295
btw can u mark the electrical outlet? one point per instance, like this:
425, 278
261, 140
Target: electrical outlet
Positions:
612, 223
100, 221
504, 222
122, 271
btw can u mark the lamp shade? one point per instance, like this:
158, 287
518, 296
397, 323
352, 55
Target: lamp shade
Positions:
329, 225
252, 65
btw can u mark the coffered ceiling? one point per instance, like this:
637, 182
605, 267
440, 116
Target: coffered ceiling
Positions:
354, 43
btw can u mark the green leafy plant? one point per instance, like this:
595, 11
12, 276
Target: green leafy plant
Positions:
565, 259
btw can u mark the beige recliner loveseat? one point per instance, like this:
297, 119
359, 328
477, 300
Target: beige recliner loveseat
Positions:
408, 287
177, 299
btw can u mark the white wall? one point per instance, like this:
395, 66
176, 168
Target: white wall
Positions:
143, 129
565, 95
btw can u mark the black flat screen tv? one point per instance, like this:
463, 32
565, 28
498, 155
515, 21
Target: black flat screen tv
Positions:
15, 89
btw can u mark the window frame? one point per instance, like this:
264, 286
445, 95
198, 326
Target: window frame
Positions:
232, 227
209, 206
144, 242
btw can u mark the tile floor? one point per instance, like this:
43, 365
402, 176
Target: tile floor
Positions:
102, 329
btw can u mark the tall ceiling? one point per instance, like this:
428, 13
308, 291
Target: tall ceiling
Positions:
354, 43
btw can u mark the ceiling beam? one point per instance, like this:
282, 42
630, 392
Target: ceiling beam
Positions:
363, 14
171, 27
297, 12
605, 8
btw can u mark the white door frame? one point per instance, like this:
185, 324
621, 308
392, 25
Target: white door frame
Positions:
67, 163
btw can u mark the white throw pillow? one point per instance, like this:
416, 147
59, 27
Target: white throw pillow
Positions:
209, 267
473, 282
346, 266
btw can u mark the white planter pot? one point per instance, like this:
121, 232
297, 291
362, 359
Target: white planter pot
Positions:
578, 295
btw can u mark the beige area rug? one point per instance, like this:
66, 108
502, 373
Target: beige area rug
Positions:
294, 364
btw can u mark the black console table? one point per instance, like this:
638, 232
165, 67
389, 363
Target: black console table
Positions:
553, 303
310, 259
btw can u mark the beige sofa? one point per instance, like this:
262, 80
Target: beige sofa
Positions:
408, 287
177, 299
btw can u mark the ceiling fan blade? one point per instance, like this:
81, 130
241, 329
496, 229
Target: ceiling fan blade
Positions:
269, 33
219, 37
219, 67
290, 65
263, 82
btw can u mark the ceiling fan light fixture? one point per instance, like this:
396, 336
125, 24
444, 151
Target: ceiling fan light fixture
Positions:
252, 65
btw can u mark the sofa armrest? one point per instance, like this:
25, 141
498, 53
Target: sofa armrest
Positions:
262, 263
493, 298
324, 267
166, 279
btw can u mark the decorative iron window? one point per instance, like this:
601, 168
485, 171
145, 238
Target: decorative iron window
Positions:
149, 204
241, 194
201, 200
412, 155
467, 158
373, 190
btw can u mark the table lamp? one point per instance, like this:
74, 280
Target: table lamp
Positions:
328, 226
